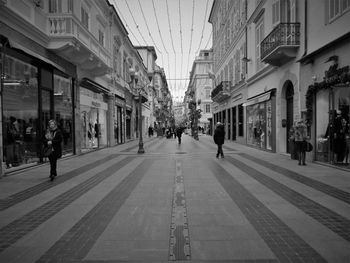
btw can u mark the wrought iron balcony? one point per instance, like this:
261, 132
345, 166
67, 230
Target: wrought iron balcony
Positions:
72, 40
281, 44
221, 91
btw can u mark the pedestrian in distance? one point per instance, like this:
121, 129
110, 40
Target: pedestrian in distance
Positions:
300, 138
53, 139
219, 138
178, 133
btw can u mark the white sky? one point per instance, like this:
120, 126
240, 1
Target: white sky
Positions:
176, 44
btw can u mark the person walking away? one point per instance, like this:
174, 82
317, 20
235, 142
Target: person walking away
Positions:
300, 137
53, 138
179, 134
219, 138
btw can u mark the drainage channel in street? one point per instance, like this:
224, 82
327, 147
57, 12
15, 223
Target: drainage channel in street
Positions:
179, 248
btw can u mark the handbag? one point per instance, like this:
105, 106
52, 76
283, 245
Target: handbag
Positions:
47, 150
309, 147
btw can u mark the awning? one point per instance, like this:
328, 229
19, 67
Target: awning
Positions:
92, 85
258, 99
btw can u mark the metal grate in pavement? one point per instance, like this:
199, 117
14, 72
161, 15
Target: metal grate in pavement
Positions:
179, 248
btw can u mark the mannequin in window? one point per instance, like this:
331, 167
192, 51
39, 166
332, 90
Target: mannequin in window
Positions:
339, 138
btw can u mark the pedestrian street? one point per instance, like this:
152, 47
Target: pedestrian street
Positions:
176, 202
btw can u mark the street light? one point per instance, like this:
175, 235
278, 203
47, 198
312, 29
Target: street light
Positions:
134, 78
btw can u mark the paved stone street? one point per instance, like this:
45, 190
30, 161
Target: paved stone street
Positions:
176, 203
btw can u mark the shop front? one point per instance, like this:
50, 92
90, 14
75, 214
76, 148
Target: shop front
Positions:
331, 116
259, 120
93, 112
119, 120
33, 92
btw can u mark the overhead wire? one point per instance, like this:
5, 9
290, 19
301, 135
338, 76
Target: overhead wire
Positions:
160, 34
126, 24
137, 26
205, 16
149, 32
206, 46
189, 51
182, 54
171, 35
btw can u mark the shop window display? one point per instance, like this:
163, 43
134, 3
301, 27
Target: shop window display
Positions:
64, 110
259, 125
333, 133
20, 123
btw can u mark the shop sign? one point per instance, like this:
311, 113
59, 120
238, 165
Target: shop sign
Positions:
334, 73
88, 101
258, 99
96, 104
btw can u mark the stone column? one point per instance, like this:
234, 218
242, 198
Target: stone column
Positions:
110, 120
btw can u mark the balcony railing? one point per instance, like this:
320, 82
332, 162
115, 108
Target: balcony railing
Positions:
280, 45
221, 91
66, 30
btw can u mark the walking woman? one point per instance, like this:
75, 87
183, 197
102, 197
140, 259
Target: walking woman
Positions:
300, 137
53, 138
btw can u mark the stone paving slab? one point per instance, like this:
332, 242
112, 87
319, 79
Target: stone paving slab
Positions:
252, 206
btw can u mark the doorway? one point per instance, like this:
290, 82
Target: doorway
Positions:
289, 112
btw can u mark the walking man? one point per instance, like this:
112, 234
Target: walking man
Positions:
219, 138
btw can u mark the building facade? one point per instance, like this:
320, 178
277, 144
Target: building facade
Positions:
228, 19
199, 89
325, 78
69, 61
295, 66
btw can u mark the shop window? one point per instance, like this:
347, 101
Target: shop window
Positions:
21, 140
63, 104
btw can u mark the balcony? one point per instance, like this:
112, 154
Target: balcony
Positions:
281, 45
221, 92
70, 39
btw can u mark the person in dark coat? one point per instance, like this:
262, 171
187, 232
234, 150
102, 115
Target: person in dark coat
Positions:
219, 138
53, 137
178, 133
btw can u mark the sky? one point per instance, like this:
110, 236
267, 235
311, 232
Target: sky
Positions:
178, 30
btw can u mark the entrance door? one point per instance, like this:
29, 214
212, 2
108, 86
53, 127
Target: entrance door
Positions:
289, 99
234, 121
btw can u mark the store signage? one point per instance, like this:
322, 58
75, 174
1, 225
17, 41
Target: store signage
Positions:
258, 99
333, 73
95, 104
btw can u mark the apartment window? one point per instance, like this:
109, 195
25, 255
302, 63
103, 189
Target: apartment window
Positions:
101, 37
259, 36
70, 6
207, 93
207, 108
84, 17
276, 12
336, 8
55, 6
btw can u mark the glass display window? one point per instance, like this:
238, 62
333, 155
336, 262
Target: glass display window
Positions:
259, 125
20, 113
64, 110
